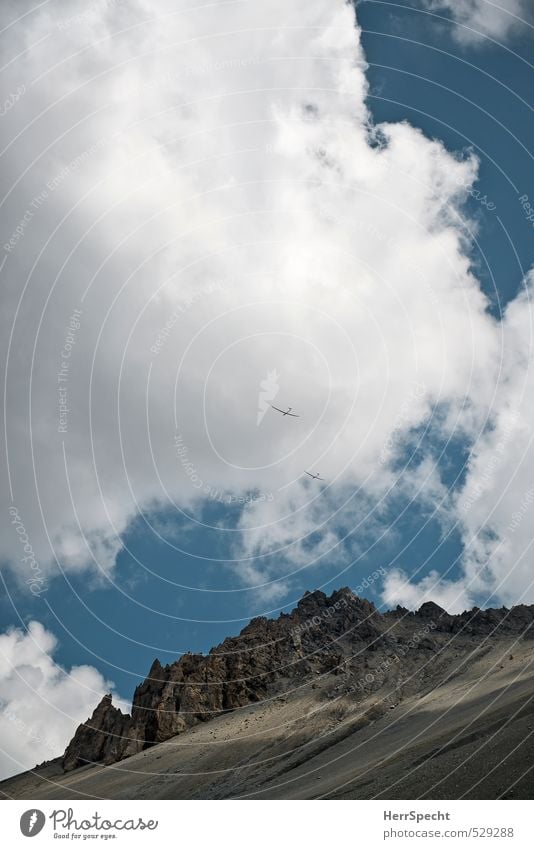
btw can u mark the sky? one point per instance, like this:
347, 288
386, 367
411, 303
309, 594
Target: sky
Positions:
208, 209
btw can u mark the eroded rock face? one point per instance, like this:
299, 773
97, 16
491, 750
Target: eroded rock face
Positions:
338, 635
100, 739
240, 671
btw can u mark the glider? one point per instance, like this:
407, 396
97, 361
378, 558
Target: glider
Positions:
316, 477
286, 412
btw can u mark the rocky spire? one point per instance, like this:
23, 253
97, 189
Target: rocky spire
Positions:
340, 634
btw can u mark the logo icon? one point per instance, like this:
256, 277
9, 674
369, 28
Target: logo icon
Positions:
32, 822
269, 389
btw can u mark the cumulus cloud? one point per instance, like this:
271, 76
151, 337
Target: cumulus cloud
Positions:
41, 703
400, 588
197, 199
480, 20
495, 503
493, 508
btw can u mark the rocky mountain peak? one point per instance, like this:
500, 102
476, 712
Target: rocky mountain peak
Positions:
340, 635
431, 610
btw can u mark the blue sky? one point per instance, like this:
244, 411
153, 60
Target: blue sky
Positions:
180, 589
459, 95
478, 96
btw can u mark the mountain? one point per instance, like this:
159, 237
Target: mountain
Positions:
326, 700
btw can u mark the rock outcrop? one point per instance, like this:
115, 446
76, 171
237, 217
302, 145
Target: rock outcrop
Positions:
101, 738
341, 635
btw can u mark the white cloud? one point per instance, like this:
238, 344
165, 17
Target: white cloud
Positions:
495, 504
213, 186
400, 588
41, 704
480, 20
494, 507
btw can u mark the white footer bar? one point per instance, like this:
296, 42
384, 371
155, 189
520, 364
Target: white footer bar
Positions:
268, 824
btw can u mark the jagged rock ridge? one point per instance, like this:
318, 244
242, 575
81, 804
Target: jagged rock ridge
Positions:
341, 635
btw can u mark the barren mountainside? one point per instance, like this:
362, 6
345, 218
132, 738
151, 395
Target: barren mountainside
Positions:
341, 639
333, 700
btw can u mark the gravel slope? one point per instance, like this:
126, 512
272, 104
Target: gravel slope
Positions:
468, 735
